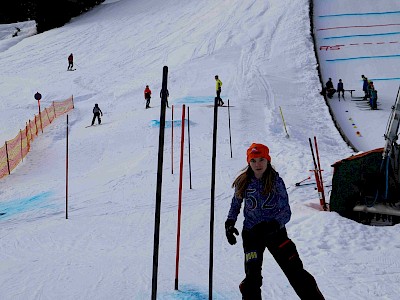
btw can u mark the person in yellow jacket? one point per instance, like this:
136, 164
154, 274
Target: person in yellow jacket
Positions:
218, 85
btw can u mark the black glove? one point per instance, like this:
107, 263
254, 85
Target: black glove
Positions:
230, 231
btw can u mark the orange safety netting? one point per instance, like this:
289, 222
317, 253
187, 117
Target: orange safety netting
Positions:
14, 150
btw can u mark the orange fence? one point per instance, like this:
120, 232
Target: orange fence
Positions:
14, 150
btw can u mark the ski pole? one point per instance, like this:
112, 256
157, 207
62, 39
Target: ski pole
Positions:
300, 182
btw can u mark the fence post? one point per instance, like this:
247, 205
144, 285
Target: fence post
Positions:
20, 134
54, 108
37, 131
47, 115
8, 162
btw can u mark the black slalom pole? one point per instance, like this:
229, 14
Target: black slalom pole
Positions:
229, 120
214, 155
66, 175
190, 166
159, 184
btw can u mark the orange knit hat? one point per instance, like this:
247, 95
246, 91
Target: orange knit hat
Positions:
256, 151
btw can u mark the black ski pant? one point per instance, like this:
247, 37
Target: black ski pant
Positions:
96, 115
220, 102
285, 253
340, 91
70, 65
147, 102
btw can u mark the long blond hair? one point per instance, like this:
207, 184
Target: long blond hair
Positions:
242, 180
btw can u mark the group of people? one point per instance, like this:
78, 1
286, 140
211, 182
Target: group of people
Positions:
329, 90
218, 82
370, 93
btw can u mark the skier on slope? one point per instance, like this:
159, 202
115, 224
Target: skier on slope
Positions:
218, 85
266, 211
96, 114
167, 95
147, 96
70, 62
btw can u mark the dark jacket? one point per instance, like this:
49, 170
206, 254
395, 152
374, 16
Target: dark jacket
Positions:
365, 84
166, 93
97, 110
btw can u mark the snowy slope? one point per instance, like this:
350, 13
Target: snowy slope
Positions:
263, 53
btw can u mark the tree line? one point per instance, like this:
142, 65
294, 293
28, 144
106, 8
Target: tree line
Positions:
48, 14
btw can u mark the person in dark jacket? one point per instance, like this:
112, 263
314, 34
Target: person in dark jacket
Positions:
266, 211
329, 88
374, 99
365, 86
70, 62
96, 114
167, 94
340, 88
370, 88
147, 96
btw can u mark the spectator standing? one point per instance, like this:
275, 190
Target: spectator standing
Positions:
365, 86
147, 96
374, 99
371, 88
340, 89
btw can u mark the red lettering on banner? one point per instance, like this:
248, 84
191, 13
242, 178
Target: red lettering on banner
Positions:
335, 47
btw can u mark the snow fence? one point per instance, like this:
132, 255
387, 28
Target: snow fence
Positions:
14, 150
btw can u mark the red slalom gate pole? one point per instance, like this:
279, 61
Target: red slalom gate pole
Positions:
320, 173
172, 140
190, 165
320, 187
178, 233
66, 177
